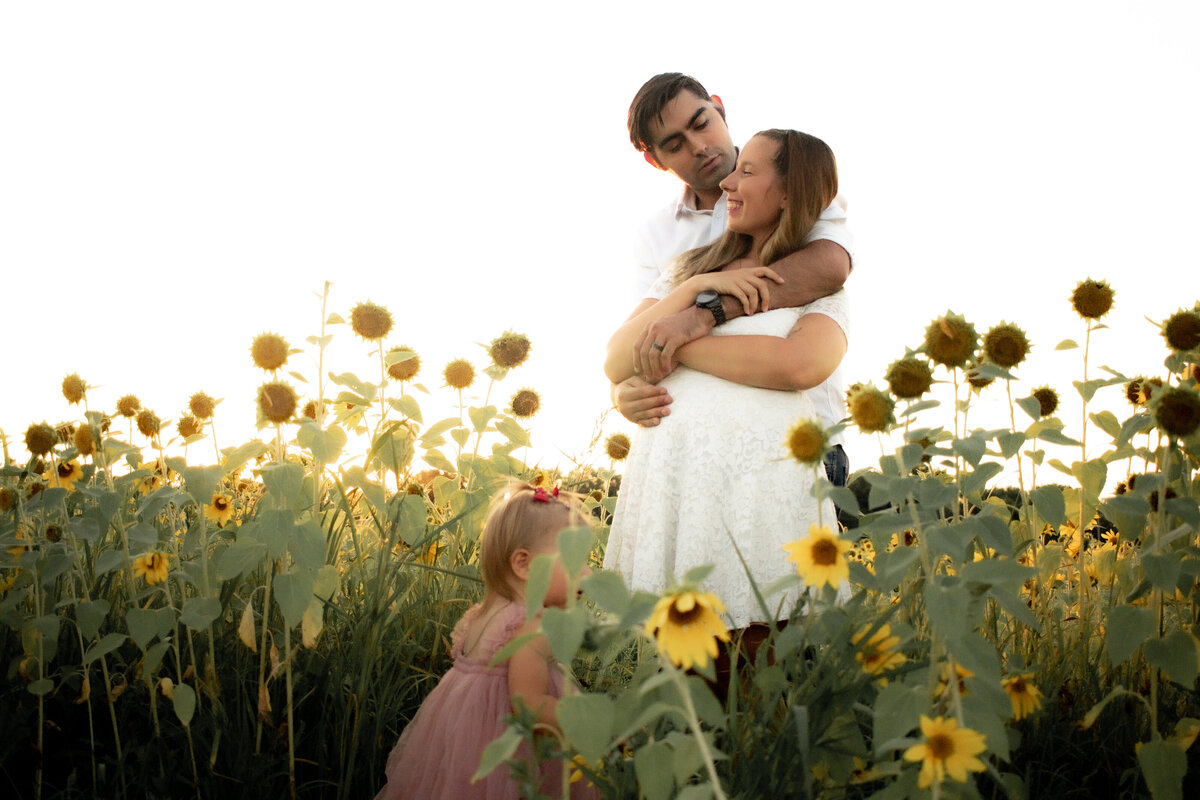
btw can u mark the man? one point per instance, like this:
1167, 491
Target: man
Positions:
681, 129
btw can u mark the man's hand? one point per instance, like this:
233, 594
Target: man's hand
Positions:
641, 402
654, 350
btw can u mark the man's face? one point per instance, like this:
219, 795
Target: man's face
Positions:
692, 142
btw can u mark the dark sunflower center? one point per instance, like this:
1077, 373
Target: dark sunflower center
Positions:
682, 618
64, 470
1018, 686
941, 746
824, 553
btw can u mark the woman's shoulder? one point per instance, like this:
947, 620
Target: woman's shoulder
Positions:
836, 306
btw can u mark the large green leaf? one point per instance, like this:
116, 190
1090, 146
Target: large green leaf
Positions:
103, 647
1164, 765
1128, 627
498, 751
587, 722
1174, 654
1050, 505
293, 592
607, 590
652, 763
89, 615
564, 629
200, 612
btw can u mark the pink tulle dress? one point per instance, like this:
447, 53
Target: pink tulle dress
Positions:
440, 749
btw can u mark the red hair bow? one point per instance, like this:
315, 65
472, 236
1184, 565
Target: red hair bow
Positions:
540, 495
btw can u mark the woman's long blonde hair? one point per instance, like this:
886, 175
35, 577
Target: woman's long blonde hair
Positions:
806, 167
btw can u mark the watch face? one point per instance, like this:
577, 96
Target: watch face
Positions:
706, 297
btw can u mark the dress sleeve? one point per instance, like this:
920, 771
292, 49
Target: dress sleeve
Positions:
836, 306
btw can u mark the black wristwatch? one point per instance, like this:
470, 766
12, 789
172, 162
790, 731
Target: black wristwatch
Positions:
712, 301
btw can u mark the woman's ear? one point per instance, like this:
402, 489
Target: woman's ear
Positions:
520, 562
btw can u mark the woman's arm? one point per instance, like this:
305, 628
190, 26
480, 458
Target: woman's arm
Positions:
750, 286
803, 359
529, 677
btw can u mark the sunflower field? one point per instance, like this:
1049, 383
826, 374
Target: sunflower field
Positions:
264, 619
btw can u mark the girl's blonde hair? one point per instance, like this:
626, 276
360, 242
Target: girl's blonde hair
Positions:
520, 516
808, 171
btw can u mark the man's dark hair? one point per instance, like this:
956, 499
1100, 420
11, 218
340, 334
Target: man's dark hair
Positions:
651, 99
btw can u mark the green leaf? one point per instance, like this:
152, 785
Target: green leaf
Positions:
1186, 508
1050, 505
898, 709
996, 571
307, 543
512, 431
537, 583
845, 499
460, 436
652, 765
1128, 512
1107, 422
325, 445
1162, 570
498, 751
352, 381
1088, 390
200, 482
1174, 654
242, 556
564, 631
1091, 475
233, 459
1066, 344
89, 616
587, 722
1030, 406
976, 480
184, 700
607, 590
40, 687
1010, 442
1163, 765
103, 647
1054, 436
393, 448
971, 448
284, 482
1128, 627
947, 606
480, 417
199, 612
144, 624
574, 546
293, 592
408, 406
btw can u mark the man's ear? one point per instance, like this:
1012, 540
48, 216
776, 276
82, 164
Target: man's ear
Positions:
651, 160
520, 561
720, 105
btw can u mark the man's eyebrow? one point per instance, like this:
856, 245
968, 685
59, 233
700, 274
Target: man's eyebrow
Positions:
691, 123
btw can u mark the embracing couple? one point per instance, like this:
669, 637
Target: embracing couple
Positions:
738, 335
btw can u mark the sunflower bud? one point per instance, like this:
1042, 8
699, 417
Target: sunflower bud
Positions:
188, 426
40, 438
201, 405
128, 405
148, 423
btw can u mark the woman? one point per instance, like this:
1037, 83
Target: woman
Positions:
715, 471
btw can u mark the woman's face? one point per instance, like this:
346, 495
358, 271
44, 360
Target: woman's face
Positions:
755, 192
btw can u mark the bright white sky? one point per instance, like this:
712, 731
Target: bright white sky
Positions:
177, 178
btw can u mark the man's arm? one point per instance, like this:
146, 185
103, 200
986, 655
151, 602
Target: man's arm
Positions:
817, 270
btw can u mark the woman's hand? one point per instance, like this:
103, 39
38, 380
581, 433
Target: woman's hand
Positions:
750, 285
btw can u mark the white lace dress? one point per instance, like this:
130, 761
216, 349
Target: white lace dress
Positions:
717, 468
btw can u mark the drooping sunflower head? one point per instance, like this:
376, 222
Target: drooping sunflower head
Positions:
128, 405
73, 388
202, 405
310, 409
909, 377
85, 442
39, 438
1181, 330
950, 340
189, 426
269, 351
616, 446
155, 567
403, 363
509, 349
1092, 299
1176, 410
370, 321
1005, 345
276, 402
525, 403
65, 475
148, 423
1023, 695
686, 625
807, 441
459, 374
1047, 400
976, 377
870, 409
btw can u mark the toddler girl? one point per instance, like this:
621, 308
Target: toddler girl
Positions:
440, 749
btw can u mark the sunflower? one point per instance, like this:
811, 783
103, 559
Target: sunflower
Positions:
459, 374
269, 351
148, 423
976, 378
276, 402
154, 566
201, 405
872, 410
807, 441
1133, 391
950, 340
946, 750
617, 446
1177, 410
128, 405
370, 321
820, 558
961, 672
525, 403
189, 426
85, 442
1047, 400
1024, 695
1092, 299
219, 509
40, 438
909, 378
65, 475
509, 350
1181, 330
1005, 345
403, 363
73, 388
6, 499
686, 625
878, 653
